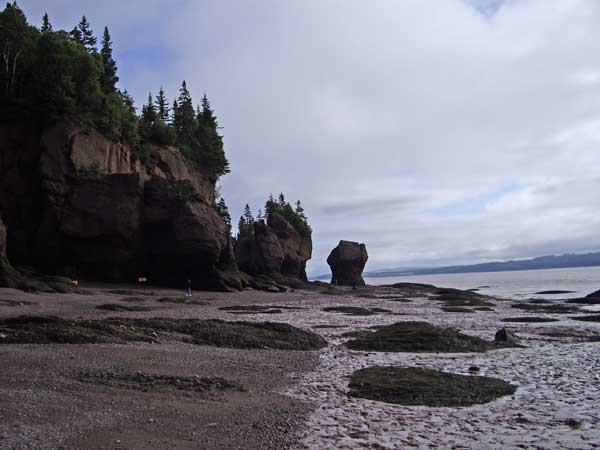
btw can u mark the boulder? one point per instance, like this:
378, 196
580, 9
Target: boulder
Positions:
347, 262
507, 336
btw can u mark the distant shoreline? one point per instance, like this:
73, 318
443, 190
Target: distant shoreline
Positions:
414, 273
566, 261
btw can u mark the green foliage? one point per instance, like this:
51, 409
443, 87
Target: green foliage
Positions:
108, 78
91, 171
88, 40
183, 190
223, 211
152, 128
246, 224
162, 108
295, 216
46, 25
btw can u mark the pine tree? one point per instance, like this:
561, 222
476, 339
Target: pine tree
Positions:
212, 154
242, 228
281, 199
184, 121
249, 219
223, 211
87, 35
270, 206
46, 25
109, 77
76, 36
148, 120
299, 209
162, 107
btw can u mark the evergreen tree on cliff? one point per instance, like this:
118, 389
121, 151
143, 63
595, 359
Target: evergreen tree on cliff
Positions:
162, 108
109, 77
223, 211
88, 40
248, 217
46, 25
148, 120
211, 143
246, 223
184, 121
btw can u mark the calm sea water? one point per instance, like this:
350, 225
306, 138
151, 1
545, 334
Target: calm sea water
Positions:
517, 284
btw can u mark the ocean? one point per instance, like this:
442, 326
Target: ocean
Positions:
514, 284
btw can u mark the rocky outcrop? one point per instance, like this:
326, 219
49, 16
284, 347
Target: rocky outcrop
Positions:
507, 336
276, 249
347, 262
594, 295
75, 204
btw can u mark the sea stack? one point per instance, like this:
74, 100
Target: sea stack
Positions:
347, 262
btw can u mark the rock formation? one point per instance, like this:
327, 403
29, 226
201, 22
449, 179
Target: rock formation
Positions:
507, 336
74, 203
595, 294
347, 262
276, 249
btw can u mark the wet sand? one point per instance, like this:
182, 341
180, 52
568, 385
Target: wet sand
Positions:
292, 399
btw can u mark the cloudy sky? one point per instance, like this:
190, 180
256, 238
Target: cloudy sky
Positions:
436, 132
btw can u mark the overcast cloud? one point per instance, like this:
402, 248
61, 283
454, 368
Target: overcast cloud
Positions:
435, 132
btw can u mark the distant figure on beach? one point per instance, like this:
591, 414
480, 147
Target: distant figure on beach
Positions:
188, 293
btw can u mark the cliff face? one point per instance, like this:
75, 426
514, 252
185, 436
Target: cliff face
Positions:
275, 249
74, 203
2, 239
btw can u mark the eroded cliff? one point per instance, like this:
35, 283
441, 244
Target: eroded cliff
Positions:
77, 203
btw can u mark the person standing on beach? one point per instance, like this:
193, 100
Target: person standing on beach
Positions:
188, 293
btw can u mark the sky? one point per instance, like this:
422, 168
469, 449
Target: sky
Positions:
436, 132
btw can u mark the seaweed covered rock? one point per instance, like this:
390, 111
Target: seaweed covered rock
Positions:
419, 337
219, 333
507, 336
427, 387
347, 262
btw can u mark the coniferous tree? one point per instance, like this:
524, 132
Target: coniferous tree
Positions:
246, 223
223, 211
46, 25
109, 77
299, 210
248, 217
162, 108
148, 120
211, 153
87, 35
76, 36
242, 228
184, 121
